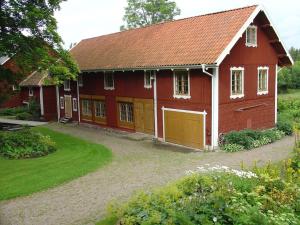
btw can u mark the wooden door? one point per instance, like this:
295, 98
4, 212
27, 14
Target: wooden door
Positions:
185, 129
144, 115
68, 106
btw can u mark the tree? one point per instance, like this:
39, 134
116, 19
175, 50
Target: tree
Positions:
29, 34
295, 53
140, 13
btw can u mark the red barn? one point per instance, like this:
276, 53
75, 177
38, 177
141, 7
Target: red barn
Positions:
184, 82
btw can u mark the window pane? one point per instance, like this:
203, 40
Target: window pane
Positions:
99, 109
181, 83
236, 82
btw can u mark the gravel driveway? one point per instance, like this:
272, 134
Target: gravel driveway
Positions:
137, 165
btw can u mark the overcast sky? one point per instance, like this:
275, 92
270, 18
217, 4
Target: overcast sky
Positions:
80, 19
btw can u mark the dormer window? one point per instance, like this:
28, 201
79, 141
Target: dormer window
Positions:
251, 36
67, 85
109, 81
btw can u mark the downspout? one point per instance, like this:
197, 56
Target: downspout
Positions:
42, 100
155, 104
57, 104
78, 103
214, 104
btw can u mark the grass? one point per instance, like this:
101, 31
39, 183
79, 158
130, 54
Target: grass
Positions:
74, 158
291, 94
108, 221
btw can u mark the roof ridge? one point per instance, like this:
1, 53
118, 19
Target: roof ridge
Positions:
172, 21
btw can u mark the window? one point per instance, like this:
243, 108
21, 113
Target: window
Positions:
147, 79
30, 92
75, 104
237, 82
15, 87
67, 86
126, 112
80, 81
86, 107
251, 36
99, 109
109, 81
62, 102
181, 84
262, 86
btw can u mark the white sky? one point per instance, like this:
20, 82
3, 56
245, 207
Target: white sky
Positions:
80, 19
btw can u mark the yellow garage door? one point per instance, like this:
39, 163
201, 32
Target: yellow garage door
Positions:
184, 128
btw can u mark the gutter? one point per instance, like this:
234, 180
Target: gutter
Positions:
154, 78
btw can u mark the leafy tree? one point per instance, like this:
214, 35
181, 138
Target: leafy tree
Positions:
295, 53
140, 13
29, 34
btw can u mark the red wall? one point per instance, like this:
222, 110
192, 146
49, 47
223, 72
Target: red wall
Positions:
131, 84
250, 58
200, 100
50, 107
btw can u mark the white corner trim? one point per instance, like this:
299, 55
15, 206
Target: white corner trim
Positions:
215, 108
188, 96
276, 94
42, 100
251, 44
155, 103
57, 102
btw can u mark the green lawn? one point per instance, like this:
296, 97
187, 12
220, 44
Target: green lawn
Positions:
291, 94
74, 157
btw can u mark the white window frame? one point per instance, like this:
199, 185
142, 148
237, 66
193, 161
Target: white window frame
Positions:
89, 111
148, 85
249, 44
102, 109
182, 96
67, 85
80, 80
232, 95
30, 92
126, 112
267, 80
15, 87
75, 104
62, 102
113, 79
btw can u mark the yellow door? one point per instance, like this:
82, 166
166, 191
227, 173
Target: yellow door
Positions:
68, 106
184, 128
144, 115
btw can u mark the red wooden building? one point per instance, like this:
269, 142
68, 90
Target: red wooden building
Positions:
185, 82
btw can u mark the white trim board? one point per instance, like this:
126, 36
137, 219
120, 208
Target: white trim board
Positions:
240, 33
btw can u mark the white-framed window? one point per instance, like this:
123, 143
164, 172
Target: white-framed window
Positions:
15, 87
147, 78
67, 85
62, 102
109, 83
86, 107
236, 82
126, 112
80, 81
262, 80
100, 110
181, 84
30, 92
75, 105
251, 36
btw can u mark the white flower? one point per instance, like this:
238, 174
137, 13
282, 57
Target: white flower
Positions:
215, 219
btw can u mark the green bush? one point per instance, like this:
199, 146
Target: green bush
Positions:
13, 111
285, 127
248, 139
232, 147
23, 116
270, 196
25, 144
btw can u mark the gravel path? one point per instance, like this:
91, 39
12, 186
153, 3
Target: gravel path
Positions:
136, 165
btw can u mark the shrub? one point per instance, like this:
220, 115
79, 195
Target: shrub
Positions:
23, 116
248, 139
286, 127
232, 147
219, 195
25, 143
13, 111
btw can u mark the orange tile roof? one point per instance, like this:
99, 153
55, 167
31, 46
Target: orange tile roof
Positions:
190, 41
